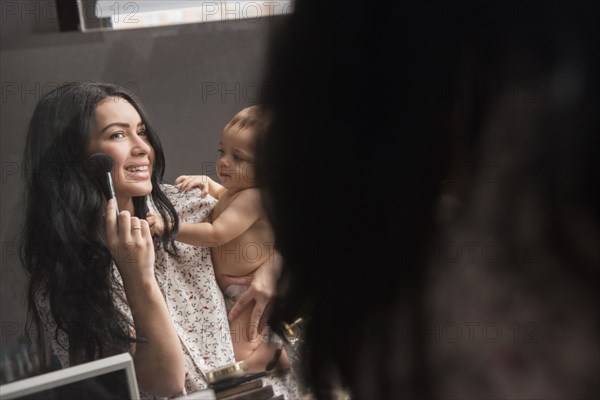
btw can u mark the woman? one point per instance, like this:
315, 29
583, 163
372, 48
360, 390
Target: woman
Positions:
98, 286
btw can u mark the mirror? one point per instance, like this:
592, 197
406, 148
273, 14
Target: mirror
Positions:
97, 15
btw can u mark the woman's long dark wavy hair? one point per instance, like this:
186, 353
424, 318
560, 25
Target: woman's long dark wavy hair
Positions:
63, 247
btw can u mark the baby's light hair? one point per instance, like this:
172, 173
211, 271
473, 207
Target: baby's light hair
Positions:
253, 117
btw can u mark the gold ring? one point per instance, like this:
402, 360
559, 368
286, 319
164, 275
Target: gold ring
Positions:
133, 229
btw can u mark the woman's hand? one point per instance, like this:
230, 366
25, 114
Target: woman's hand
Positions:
159, 364
262, 285
130, 244
204, 183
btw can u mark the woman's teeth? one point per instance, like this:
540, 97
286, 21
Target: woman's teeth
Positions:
137, 169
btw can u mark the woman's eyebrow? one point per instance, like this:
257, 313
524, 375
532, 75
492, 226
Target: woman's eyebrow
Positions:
120, 124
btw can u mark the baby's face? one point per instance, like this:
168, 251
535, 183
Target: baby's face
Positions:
235, 165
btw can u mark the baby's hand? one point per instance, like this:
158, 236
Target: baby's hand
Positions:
187, 182
156, 223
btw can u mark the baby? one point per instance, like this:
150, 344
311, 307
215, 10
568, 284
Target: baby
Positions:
239, 234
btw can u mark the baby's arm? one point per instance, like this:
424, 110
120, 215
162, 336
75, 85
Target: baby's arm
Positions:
186, 182
202, 182
243, 211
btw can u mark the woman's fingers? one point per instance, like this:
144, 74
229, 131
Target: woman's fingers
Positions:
130, 244
259, 311
132, 247
259, 294
124, 226
258, 316
146, 234
110, 218
240, 304
136, 228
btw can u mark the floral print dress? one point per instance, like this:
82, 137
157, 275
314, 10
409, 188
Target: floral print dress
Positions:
194, 300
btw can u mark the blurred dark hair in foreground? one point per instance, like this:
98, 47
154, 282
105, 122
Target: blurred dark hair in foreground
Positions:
388, 120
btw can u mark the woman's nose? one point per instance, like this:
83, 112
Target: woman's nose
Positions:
140, 146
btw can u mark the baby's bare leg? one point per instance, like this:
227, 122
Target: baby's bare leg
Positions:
243, 344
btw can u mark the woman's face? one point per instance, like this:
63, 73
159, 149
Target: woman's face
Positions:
121, 134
